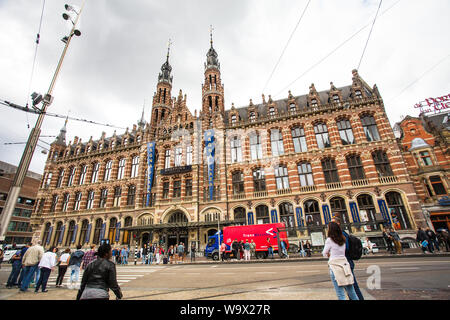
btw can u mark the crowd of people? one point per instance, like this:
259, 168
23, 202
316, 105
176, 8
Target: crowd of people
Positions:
153, 253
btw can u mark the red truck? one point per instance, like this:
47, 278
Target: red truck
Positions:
259, 233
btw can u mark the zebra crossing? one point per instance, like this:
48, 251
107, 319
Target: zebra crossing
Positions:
124, 274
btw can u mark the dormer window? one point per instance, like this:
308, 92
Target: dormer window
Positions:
358, 94
426, 159
113, 144
233, 119
292, 107
271, 111
138, 139
336, 98
314, 103
252, 117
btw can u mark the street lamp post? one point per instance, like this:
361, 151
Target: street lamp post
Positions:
36, 131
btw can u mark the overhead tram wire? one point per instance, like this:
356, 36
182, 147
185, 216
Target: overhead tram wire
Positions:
28, 110
368, 38
285, 47
333, 51
419, 78
38, 37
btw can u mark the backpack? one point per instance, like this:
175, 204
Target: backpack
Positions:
355, 248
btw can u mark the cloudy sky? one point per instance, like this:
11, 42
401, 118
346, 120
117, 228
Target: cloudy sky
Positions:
111, 70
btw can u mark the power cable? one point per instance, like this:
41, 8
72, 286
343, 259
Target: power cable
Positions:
367, 42
332, 51
285, 47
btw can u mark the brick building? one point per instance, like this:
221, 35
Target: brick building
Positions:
301, 160
19, 229
424, 142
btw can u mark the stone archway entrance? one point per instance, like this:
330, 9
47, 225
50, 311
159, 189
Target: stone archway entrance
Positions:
176, 231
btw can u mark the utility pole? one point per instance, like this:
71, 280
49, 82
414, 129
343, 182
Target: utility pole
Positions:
27, 155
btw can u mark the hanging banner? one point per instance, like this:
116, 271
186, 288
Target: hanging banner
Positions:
250, 218
74, 235
326, 213
274, 216
118, 225
88, 233
354, 211
49, 235
61, 234
150, 168
300, 221
384, 210
102, 231
210, 153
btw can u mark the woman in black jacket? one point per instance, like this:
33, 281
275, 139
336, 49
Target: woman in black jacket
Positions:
99, 277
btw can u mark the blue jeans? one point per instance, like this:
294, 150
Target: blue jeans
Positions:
150, 258
28, 273
270, 252
12, 279
340, 290
75, 273
124, 260
43, 279
355, 283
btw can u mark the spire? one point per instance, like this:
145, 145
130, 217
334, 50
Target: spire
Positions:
141, 122
166, 69
211, 56
61, 138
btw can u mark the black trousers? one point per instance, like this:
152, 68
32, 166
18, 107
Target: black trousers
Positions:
43, 279
61, 272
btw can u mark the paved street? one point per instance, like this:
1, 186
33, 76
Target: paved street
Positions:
400, 278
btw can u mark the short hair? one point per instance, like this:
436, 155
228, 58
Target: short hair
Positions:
103, 250
67, 250
79, 247
93, 246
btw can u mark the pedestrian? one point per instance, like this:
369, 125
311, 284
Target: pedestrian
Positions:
15, 271
302, 248
269, 248
253, 249
74, 265
22, 253
235, 249
433, 239
63, 262
222, 250
388, 239
396, 240
308, 248
1, 257
151, 250
88, 257
350, 261
30, 262
47, 264
144, 253
444, 239
99, 277
123, 256
246, 250
368, 246
181, 252
340, 270
241, 250
193, 251
423, 240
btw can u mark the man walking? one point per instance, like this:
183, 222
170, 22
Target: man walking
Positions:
74, 265
222, 250
387, 238
16, 266
181, 252
423, 240
253, 249
269, 248
396, 239
433, 240
235, 249
193, 251
30, 261
88, 257
246, 250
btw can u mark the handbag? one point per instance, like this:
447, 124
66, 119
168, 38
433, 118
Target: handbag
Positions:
424, 243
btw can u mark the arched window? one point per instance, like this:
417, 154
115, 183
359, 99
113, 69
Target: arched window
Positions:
83, 174
255, 146
397, 210
58, 232
239, 216
287, 214
355, 167
330, 170
345, 132
60, 178
382, 164
178, 217
97, 231
46, 233
299, 139
95, 170
126, 234
121, 170
236, 150
108, 167
112, 230
83, 232
312, 213
339, 209
370, 128
367, 211
72, 171
276, 141
131, 195
70, 233
238, 182
281, 177
66, 199
305, 174
322, 138
135, 167
262, 214
259, 180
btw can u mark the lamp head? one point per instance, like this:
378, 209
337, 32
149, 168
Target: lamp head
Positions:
66, 16
77, 32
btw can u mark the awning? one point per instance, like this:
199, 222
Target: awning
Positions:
178, 225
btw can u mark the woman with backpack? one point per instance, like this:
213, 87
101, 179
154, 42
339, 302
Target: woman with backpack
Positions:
340, 271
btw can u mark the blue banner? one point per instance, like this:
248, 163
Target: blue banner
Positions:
300, 221
150, 168
384, 210
74, 236
61, 234
88, 233
250, 218
326, 213
118, 225
210, 153
274, 215
355, 212
102, 232
49, 234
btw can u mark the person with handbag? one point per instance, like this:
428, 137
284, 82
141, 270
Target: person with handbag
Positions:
100, 276
63, 263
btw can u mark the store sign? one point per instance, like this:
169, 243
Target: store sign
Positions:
435, 105
175, 170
